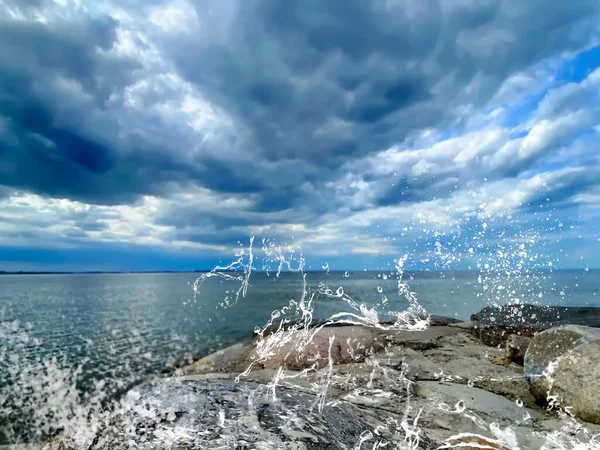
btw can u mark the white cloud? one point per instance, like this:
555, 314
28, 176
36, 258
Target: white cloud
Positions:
177, 16
344, 200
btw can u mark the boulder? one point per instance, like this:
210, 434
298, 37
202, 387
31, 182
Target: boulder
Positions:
516, 346
231, 359
563, 362
300, 350
496, 336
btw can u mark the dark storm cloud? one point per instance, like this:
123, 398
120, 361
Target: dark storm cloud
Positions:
58, 137
406, 189
291, 66
44, 147
309, 85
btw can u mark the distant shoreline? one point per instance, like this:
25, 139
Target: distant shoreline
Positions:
125, 272
100, 272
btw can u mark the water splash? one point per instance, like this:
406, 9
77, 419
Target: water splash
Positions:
290, 331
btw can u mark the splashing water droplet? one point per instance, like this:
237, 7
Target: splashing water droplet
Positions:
379, 289
519, 403
346, 274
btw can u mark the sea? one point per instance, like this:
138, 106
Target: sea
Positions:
101, 332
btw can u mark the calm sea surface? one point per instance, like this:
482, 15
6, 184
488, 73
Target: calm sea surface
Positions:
130, 324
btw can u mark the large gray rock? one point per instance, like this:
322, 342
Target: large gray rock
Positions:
220, 414
464, 411
298, 350
564, 362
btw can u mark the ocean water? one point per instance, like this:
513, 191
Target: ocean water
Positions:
122, 327
139, 322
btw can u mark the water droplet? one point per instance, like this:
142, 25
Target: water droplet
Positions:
340, 292
519, 403
379, 289
346, 274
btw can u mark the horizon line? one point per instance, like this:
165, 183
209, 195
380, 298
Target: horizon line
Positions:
116, 272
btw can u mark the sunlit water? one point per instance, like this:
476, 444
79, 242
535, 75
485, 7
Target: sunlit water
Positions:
108, 331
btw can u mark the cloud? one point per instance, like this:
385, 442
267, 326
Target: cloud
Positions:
333, 125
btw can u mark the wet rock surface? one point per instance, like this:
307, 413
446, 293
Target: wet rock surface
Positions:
516, 347
221, 414
445, 375
441, 387
565, 362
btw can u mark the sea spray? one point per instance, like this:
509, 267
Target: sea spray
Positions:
82, 422
302, 331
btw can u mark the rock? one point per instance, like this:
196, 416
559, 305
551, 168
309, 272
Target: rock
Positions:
496, 336
516, 346
439, 321
178, 414
416, 365
180, 362
563, 361
460, 358
420, 339
462, 325
494, 324
231, 359
537, 316
300, 350
382, 385
434, 321
469, 441
462, 409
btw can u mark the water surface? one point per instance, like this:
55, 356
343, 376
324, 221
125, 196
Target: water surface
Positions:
139, 322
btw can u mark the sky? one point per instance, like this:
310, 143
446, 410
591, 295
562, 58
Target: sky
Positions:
162, 135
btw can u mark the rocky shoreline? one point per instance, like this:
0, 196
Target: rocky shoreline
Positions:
483, 384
